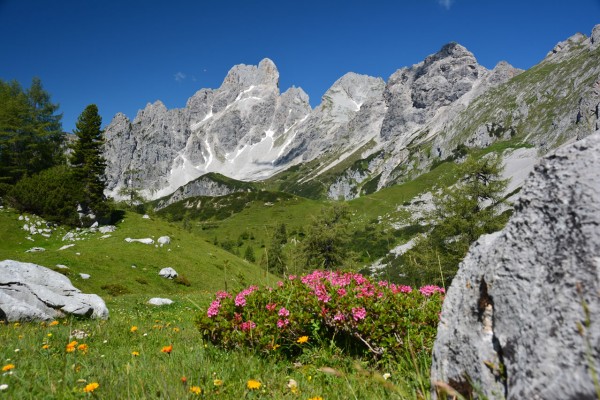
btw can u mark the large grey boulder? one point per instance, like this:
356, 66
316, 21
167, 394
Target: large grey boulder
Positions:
514, 320
30, 292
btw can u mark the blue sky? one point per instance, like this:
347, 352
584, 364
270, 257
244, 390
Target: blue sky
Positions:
123, 54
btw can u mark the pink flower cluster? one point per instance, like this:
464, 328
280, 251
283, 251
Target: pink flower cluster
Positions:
283, 312
213, 309
359, 313
282, 323
222, 295
240, 299
400, 288
248, 325
271, 306
431, 289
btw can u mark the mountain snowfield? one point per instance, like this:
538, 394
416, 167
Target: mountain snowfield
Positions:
248, 130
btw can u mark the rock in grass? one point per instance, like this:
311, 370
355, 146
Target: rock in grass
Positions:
157, 301
168, 273
514, 319
30, 292
107, 229
164, 240
84, 276
144, 240
35, 250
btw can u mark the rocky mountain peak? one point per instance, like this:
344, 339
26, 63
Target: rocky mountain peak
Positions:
244, 76
350, 91
595, 38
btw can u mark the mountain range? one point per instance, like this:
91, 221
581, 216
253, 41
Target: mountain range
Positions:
366, 134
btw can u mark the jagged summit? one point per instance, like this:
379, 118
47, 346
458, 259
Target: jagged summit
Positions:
247, 130
242, 75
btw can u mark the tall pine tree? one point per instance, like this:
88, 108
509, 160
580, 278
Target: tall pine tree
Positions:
88, 163
31, 137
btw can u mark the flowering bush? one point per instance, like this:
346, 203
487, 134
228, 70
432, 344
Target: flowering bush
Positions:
372, 318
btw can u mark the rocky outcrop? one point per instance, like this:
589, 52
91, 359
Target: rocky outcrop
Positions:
204, 186
524, 309
29, 292
237, 130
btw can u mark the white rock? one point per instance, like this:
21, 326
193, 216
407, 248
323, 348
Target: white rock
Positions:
84, 276
164, 240
61, 266
21, 218
157, 301
94, 225
35, 250
68, 236
66, 247
146, 216
105, 236
144, 241
168, 272
32, 292
107, 229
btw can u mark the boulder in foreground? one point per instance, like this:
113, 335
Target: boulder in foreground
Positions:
29, 292
524, 309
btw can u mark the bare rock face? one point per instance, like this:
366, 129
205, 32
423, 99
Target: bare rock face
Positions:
514, 320
29, 292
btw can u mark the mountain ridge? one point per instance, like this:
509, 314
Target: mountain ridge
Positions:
248, 130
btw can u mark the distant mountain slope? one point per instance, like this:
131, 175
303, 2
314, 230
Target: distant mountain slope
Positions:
366, 134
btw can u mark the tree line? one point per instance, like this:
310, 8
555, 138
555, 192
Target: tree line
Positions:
36, 174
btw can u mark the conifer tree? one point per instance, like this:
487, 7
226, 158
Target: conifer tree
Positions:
462, 213
88, 163
31, 137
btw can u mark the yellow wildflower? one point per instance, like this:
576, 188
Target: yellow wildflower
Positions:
8, 367
53, 323
217, 382
46, 346
133, 329
89, 388
167, 349
253, 384
302, 339
196, 390
316, 398
83, 348
135, 353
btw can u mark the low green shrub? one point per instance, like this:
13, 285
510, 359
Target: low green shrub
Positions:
115, 289
377, 320
182, 280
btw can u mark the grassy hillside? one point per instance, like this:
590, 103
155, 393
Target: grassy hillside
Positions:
110, 261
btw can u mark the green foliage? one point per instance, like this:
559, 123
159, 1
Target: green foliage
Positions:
249, 254
182, 280
88, 163
461, 214
327, 238
275, 258
376, 321
115, 289
53, 194
31, 137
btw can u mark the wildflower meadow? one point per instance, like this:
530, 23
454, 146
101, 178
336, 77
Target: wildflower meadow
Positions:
325, 335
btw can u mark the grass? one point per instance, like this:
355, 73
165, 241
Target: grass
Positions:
43, 369
134, 266
53, 373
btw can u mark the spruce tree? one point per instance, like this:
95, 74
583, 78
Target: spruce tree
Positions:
88, 163
462, 213
31, 137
